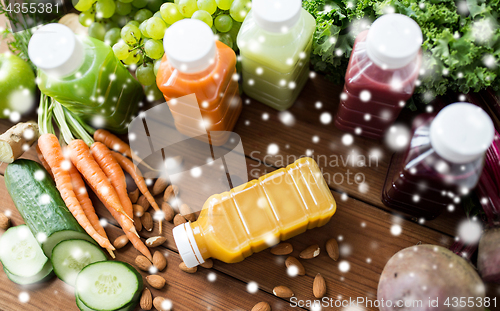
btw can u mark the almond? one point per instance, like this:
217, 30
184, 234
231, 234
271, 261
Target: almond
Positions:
283, 292
159, 261
146, 302
120, 241
319, 286
170, 192
310, 252
143, 263
137, 224
4, 222
159, 186
184, 268
282, 249
161, 305
292, 261
147, 221
143, 201
138, 210
134, 195
168, 211
262, 306
155, 241
156, 281
332, 248
209, 263
186, 211
179, 220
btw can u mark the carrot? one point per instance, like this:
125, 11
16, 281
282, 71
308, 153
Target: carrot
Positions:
114, 172
114, 143
93, 174
130, 168
52, 153
44, 163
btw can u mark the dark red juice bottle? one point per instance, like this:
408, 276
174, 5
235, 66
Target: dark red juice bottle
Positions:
381, 75
443, 162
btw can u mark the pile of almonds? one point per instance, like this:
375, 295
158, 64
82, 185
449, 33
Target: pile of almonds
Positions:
313, 251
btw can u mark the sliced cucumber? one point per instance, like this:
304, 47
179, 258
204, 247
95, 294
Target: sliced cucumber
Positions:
20, 252
70, 256
108, 285
45, 273
130, 307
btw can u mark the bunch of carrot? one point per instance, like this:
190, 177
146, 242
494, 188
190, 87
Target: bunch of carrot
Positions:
102, 169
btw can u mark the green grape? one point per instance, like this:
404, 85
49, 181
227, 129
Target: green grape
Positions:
207, 5
123, 8
131, 34
145, 74
105, 8
82, 5
142, 28
203, 16
97, 30
176, 2
154, 49
223, 23
153, 92
134, 22
140, 3
154, 5
170, 13
157, 66
120, 20
158, 14
112, 36
142, 15
224, 4
121, 50
125, 1
156, 28
239, 9
133, 58
187, 7
226, 39
110, 24
86, 18
235, 30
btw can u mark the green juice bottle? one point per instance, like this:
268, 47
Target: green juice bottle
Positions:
275, 45
84, 75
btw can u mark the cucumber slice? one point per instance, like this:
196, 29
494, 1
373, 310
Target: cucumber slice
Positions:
20, 252
45, 273
70, 256
108, 285
130, 307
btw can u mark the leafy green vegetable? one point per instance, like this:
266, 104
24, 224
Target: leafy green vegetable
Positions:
461, 39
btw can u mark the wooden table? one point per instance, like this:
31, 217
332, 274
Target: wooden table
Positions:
362, 224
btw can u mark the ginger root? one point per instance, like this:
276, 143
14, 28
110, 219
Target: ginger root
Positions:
16, 140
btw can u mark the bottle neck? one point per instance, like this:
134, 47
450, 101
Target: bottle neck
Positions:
200, 240
194, 75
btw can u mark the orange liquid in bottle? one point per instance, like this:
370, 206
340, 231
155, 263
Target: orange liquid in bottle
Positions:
254, 216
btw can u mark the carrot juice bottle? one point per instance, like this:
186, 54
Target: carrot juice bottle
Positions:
195, 63
256, 215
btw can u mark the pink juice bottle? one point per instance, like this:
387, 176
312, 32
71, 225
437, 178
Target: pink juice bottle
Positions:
381, 75
443, 162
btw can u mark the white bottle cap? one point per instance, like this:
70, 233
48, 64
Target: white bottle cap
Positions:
190, 45
186, 245
56, 50
393, 41
461, 133
276, 15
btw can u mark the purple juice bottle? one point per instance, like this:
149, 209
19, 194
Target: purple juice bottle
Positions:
443, 162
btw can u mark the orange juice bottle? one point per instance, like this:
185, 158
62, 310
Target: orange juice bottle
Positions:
195, 63
256, 215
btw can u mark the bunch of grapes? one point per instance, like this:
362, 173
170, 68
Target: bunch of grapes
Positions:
135, 28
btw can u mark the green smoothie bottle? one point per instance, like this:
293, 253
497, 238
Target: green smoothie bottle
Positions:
83, 74
275, 44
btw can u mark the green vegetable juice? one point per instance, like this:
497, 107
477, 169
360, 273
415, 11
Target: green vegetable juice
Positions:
275, 44
84, 75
